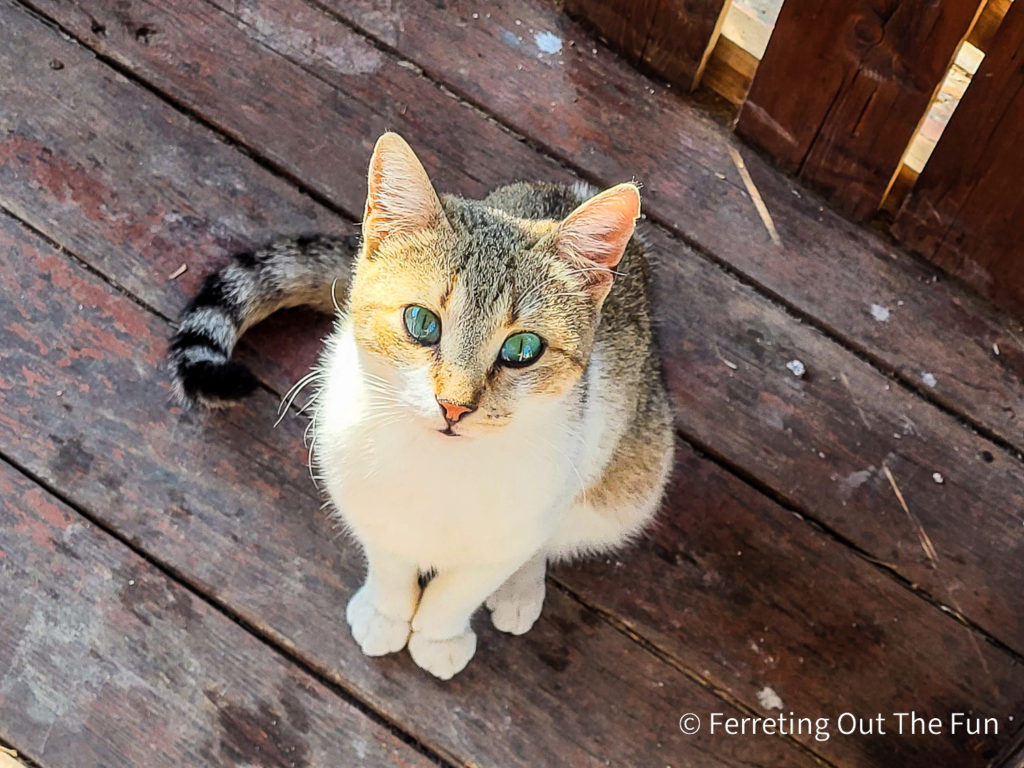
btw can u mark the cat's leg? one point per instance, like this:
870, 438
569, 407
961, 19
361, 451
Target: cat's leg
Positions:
516, 605
442, 641
380, 612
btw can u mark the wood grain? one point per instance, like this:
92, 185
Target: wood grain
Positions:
225, 502
107, 662
672, 38
251, 491
777, 426
965, 211
602, 117
842, 88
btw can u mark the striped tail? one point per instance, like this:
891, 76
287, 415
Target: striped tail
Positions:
288, 273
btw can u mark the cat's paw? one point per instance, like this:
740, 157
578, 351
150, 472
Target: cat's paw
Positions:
516, 606
376, 633
443, 658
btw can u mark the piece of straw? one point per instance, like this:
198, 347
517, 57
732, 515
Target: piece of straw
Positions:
755, 196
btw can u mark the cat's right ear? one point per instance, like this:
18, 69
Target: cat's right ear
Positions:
399, 198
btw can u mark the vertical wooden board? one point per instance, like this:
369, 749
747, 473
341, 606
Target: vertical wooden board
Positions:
681, 39
671, 37
226, 503
843, 86
966, 211
106, 662
626, 24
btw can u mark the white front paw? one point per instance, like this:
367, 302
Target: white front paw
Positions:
516, 607
376, 633
443, 658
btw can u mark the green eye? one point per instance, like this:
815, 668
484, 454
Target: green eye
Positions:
521, 349
422, 324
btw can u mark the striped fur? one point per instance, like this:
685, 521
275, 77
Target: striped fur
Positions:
287, 273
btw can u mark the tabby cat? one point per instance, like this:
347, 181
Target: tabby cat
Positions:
490, 399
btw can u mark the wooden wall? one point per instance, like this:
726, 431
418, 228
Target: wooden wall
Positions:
838, 97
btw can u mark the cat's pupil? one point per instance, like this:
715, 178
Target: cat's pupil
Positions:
521, 349
422, 324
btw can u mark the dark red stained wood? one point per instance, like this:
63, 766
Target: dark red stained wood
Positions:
843, 86
228, 507
670, 37
599, 115
106, 662
777, 426
966, 211
226, 503
626, 25
736, 586
283, 549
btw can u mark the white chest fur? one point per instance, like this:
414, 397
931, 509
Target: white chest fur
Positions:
433, 500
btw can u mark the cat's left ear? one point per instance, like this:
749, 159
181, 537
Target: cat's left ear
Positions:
399, 196
595, 235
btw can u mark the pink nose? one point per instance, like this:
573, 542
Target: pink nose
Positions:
454, 411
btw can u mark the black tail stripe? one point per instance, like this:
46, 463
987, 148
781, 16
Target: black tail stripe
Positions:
195, 338
213, 294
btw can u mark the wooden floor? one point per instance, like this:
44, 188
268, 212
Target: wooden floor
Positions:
171, 593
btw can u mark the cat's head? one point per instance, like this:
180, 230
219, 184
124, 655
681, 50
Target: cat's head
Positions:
469, 315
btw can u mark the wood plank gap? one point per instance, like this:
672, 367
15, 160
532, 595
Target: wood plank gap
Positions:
668, 658
222, 132
272, 643
1012, 756
22, 758
706, 451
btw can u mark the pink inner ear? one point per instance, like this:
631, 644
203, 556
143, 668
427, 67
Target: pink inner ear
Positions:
400, 197
600, 228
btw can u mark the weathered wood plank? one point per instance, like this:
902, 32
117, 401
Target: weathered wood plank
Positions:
273, 550
285, 573
965, 211
626, 25
673, 38
226, 503
778, 425
481, 62
106, 662
601, 116
843, 86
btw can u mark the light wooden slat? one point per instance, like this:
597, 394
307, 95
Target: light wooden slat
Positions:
966, 210
843, 87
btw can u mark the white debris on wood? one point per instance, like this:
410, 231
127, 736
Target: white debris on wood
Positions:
995, 348
547, 42
880, 313
178, 272
769, 699
938, 478
797, 368
928, 379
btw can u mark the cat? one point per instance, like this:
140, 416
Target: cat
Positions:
490, 399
